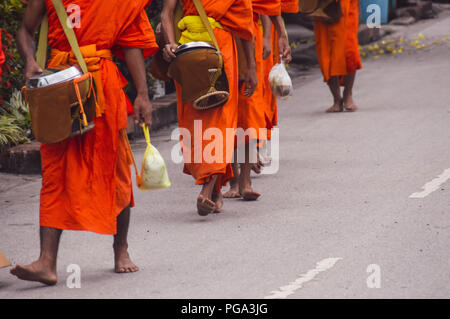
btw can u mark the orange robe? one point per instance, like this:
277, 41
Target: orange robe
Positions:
287, 6
235, 16
337, 44
86, 180
252, 110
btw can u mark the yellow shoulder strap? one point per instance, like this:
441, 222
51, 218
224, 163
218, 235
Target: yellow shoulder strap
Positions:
204, 17
70, 34
41, 53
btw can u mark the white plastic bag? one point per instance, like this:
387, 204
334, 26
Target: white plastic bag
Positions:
153, 170
280, 81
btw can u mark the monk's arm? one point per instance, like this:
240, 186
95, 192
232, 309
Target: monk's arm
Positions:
283, 43
25, 36
167, 16
136, 64
250, 79
267, 36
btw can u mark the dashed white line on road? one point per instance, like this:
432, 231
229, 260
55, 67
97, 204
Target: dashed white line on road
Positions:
432, 186
291, 288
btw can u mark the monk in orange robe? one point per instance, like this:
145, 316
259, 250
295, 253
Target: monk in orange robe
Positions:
271, 57
252, 111
86, 180
338, 54
235, 19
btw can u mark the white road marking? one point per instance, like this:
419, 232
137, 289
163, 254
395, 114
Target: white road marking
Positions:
291, 288
432, 186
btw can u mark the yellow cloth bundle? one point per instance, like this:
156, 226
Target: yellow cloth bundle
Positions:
192, 29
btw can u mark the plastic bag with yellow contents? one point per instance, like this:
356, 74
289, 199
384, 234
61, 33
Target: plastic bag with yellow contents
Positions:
153, 169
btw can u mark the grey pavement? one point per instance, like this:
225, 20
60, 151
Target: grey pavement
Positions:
342, 191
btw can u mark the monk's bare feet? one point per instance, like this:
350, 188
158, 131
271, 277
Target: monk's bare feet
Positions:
257, 167
233, 192
348, 103
205, 206
247, 192
336, 107
122, 260
217, 197
38, 271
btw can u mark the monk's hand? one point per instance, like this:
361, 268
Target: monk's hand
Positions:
285, 49
250, 81
142, 109
31, 68
267, 47
169, 51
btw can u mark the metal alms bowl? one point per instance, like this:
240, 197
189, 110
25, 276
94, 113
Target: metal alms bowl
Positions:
53, 76
191, 46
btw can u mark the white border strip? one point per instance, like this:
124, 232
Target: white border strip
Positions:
291, 288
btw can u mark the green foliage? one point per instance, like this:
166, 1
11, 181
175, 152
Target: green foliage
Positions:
11, 12
10, 131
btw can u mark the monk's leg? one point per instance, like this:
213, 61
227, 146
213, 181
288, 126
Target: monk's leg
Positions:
233, 192
245, 183
217, 198
205, 203
333, 84
257, 167
122, 260
349, 80
44, 269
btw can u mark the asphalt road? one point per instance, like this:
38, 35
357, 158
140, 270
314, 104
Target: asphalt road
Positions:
338, 207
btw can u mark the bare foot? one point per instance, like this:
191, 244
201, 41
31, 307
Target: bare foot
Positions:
257, 167
205, 206
249, 194
233, 192
348, 103
122, 261
336, 107
37, 271
217, 197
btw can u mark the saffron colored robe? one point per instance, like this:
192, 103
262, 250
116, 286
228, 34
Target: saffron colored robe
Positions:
252, 110
86, 180
287, 6
337, 44
235, 16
